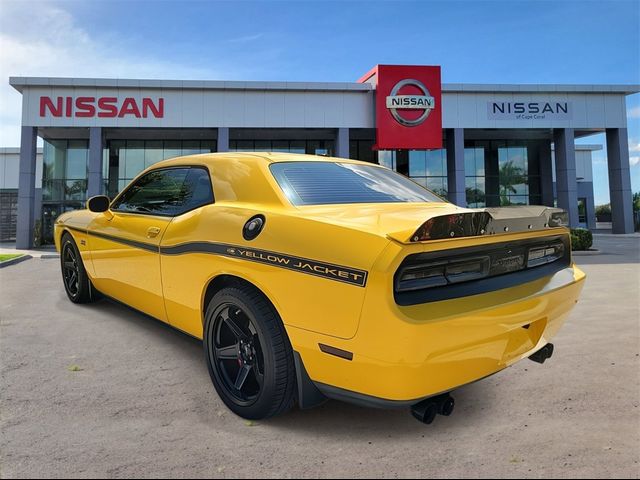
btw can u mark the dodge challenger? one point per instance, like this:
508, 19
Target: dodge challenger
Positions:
309, 278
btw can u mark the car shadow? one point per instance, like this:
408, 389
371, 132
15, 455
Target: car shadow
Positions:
330, 419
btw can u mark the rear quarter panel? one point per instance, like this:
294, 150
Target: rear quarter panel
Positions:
303, 300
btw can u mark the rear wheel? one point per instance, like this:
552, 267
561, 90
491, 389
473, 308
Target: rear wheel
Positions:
74, 276
248, 354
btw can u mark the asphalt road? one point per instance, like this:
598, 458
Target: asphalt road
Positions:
140, 402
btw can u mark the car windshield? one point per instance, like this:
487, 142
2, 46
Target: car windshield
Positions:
321, 183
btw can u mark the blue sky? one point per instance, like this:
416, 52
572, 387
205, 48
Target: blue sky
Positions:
474, 41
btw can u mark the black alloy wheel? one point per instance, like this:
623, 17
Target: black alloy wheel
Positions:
248, 353
237, 353
74, 276
70, 271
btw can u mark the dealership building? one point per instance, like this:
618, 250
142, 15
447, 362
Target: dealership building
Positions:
478, 145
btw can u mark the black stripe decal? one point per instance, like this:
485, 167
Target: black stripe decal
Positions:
124, 241
331, 271
338, 273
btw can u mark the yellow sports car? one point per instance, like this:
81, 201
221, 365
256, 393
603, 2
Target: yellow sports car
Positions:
310, 278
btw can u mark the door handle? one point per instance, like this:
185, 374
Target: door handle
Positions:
152, 232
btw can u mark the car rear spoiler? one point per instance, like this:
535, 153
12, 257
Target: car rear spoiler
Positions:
484, 221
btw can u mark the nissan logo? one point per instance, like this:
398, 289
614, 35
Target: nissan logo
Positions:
424, 102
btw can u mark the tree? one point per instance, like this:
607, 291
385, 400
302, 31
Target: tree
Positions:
510, 176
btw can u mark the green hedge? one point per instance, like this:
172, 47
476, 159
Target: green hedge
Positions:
581, 239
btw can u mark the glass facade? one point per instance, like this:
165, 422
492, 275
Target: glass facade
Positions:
311, 147
474, 168
363, 150
425, 167
502, 173
429, 169
513, 169
64, 180
497, 172
124, 159
64, 175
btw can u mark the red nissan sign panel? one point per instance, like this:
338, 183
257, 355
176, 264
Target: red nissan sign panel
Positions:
408, 106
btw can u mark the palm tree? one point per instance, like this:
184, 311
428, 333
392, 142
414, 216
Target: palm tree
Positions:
510, 175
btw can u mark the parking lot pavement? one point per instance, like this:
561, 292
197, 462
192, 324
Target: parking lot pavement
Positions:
99, 390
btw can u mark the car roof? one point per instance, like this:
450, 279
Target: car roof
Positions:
258, 157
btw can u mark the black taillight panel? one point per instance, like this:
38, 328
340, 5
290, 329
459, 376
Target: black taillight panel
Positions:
461, 272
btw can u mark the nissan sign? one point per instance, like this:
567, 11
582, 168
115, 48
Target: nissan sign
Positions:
102, 107
547, 110
396, 103
408, 106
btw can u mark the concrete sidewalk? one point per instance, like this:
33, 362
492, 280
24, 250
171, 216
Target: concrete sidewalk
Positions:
48, 251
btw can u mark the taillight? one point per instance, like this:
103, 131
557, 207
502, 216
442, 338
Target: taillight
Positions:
547, 254
442, 273
439, 269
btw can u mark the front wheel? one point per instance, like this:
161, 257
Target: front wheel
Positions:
248, 353
74, 276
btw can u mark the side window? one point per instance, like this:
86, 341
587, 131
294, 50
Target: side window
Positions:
196, 190
169, 192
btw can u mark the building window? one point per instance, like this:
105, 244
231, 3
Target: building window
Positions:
425, 167
513, 168
64, 180
429, 169
64, 176
502, 172
582, 210
312, 147
362, 150
475, 185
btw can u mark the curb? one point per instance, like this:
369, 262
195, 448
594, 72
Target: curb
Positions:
13, 261
586, 253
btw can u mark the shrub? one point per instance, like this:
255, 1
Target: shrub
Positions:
581, 239
603, 209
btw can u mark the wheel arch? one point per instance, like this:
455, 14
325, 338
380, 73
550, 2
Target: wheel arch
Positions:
223, 280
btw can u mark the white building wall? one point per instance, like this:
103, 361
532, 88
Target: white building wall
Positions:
10, 168
317, 105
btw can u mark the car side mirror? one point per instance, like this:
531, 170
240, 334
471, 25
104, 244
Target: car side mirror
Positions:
98, 204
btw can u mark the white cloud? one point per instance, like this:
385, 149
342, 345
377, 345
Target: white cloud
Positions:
246, 38
634, 150
634, 112
50, 43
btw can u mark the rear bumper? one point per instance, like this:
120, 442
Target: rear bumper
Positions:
402, 355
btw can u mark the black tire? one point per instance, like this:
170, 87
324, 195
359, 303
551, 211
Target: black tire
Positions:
245, 344
74, 276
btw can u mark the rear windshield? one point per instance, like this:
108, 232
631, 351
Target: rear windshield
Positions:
320, 183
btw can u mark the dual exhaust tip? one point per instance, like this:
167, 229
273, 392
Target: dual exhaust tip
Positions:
427, 410
444, 404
